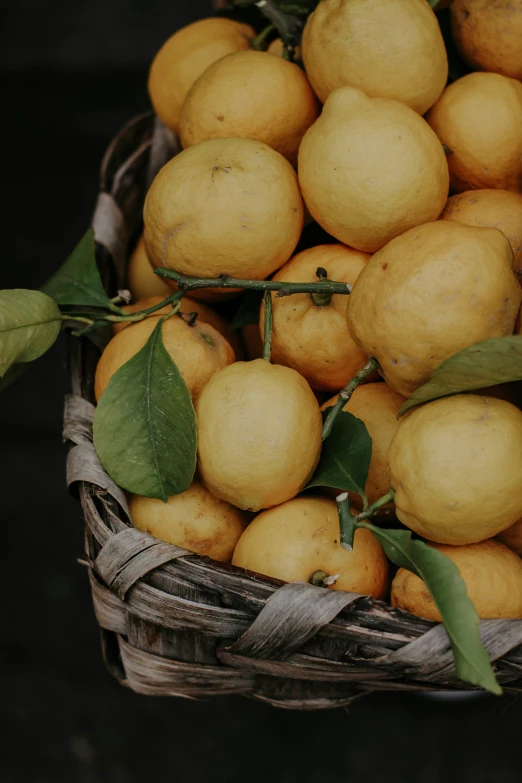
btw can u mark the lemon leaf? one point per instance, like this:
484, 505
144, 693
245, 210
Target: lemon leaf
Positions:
145, 425
442, 578
78, 281
345, 458
30, 322
484, 364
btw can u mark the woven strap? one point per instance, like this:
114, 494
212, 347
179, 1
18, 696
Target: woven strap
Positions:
131, 554
430, 657
291, 616
109, 230
78, 415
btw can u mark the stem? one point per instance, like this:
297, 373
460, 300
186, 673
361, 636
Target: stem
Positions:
284, 289
78, 318
267, 337
346, 393
346, 521
289, 27
370, 511
322, 579
321, 300
260, 41
174, 299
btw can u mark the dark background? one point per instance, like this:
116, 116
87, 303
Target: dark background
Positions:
72, 72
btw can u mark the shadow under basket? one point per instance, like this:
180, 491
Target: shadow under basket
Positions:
177, 624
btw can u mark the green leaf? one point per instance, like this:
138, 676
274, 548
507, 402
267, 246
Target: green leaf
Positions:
484, 364
248, 312
11, 375
442, 578
145, 425
30, 322
77, 281
345, 458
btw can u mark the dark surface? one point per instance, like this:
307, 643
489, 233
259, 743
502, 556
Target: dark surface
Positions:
63, 718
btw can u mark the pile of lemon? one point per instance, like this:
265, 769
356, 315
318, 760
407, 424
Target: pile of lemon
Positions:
367, 141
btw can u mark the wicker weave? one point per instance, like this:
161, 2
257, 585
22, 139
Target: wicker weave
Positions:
174, 623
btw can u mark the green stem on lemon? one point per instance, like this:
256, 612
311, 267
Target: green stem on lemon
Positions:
346, 521
346, 394
370, 511
259, 42
321, 300
105, 320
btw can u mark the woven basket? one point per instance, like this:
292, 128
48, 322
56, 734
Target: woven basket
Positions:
174, 623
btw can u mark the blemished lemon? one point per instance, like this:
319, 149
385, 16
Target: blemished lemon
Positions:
492, 574
370, 168
194, 519
479, 118
259, 434
144, 283
430, 293
489, 34
500, 209
314, 339
225, 206
205, 315
456, 467
198, 351
141, 280
387, 49
252, 95
185, 56
377, 406
294, 540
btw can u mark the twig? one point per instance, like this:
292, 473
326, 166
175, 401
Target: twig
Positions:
346, 394
187, 283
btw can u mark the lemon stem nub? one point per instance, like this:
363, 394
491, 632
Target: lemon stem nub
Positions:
321, 300
267, 337
346, 521
319, 579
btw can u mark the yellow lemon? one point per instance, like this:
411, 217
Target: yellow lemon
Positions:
185, 56
430, 293
456, 467
259, 434
479, 118
500, 209
198, 351
489, 35
205, 315
370, 169
491, 572
313, 338
195, 520
388, 50
225, 206
294, 540
252, 95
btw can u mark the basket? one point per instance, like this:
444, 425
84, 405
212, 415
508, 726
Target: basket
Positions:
177, 624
